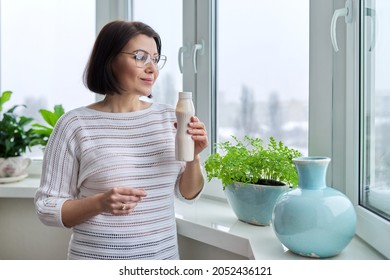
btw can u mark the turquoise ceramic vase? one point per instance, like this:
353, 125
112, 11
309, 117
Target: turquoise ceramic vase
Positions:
314, 220
252, 203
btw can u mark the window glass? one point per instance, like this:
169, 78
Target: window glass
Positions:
375, 102
166, 17
263, 70
45, 45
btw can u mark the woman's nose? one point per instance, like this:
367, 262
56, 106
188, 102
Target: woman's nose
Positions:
151, 67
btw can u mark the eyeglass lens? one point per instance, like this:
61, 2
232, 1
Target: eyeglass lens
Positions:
143, 58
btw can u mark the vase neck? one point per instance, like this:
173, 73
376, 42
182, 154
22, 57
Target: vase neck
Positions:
312, 172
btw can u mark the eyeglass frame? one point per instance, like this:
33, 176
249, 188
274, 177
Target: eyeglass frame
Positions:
149, 59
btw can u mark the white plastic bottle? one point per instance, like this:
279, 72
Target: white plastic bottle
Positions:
185, 145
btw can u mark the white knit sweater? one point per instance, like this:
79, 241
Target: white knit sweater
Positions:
90, 152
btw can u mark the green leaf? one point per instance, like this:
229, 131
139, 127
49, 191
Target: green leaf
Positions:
40, 132
41, 129
59, 110
50, 117
5, 96
23, 121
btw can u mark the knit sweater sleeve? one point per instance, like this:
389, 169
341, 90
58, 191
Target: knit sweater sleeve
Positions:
59, 172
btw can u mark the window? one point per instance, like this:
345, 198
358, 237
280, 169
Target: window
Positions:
170, 29
259, 72
348, 118
45, 46
373, 195
263, 70
360, 90
375, 101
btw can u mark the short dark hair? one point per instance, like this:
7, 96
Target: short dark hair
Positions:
98, 75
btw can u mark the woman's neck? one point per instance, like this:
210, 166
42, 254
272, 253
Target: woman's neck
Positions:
120, 104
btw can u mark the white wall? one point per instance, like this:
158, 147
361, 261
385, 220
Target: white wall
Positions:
23, 236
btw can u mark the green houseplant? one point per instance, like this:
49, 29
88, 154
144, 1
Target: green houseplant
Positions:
15, 134
250, 161
253, 175
43, 132
15, 138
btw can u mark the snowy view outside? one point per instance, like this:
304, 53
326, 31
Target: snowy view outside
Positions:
263, 70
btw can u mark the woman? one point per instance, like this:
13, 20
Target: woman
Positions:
109, 169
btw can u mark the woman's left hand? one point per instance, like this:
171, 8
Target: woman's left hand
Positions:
197, 129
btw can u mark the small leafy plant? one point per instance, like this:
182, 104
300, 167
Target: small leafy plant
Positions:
15, 135
249, 161
43, 132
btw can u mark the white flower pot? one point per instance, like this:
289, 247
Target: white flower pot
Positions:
14, 167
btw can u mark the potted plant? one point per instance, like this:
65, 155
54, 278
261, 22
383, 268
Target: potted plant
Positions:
43, 132
253, 175
15, 138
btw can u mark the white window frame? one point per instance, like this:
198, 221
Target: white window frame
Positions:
199, 28
334, 111
107, 11
370, 227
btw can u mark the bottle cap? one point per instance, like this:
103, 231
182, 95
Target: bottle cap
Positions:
185, 94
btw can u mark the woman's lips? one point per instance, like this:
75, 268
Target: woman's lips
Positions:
147, 80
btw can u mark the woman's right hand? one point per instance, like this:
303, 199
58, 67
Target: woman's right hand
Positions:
121, 200
117, 201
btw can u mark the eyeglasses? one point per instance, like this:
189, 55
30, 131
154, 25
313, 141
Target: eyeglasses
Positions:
143, 58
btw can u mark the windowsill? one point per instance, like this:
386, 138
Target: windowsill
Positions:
220, 229
223, 230
22, 189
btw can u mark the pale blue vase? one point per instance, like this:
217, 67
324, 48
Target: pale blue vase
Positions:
314, 220
252, 203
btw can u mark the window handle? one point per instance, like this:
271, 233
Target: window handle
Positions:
195, 49
183, 52
344, 12
372, 14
